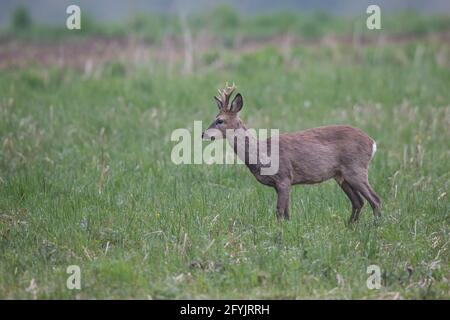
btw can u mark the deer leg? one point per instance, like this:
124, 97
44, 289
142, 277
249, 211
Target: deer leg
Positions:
361, 185
355, 198
282, 202
376, 209
286, 209
360, 200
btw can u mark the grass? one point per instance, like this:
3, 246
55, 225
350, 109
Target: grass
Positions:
86, 179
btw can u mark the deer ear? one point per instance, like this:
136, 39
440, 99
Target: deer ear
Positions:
219, 103
237, 103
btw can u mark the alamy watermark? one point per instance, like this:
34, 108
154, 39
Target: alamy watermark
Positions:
374, 20
74, 19
74, 280
239, 146
374, 279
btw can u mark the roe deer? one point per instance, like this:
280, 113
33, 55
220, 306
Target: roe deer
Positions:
306, 157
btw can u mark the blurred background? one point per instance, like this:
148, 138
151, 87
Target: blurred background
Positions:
139, 31
49, 11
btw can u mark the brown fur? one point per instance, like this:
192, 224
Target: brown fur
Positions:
312, 156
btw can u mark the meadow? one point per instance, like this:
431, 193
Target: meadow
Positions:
86, 177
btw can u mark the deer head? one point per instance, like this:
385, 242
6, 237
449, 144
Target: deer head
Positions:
228, 117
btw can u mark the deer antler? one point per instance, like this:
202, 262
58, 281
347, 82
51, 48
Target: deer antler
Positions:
225, 94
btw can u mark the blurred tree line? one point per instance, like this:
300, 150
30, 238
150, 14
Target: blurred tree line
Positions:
226, 23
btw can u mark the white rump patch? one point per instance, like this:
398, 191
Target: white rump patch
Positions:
374, 148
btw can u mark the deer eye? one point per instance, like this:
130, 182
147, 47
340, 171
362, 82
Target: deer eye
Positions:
219, 121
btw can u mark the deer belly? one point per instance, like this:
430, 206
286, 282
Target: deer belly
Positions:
311, 172
312, 179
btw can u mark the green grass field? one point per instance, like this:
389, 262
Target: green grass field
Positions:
86, 178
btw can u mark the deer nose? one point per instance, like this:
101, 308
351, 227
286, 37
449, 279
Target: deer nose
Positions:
212, 138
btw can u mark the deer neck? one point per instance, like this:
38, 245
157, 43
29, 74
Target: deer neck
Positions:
245, 146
